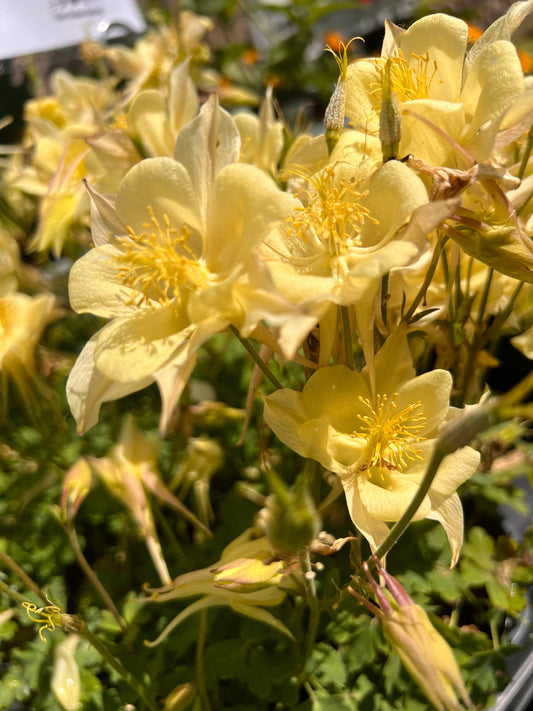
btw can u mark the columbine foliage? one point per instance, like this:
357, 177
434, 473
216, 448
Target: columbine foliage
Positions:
278, 355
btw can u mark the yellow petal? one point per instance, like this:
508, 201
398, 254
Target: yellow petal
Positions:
445, 38
134, 348
165, 186
87, 388
245, 205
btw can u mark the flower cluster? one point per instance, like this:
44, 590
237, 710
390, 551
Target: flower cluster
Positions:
371, 270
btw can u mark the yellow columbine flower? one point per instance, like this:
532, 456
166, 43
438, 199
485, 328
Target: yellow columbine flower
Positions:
465, 95
175, 263
379, 441
23, 319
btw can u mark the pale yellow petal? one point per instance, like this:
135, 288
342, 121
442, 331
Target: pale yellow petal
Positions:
148, 119
449, 513
493, 83
390, 501
183, 97
428, 143
165, 186
373, 530
394, 183
87, 388
134, 348
94, 286
206, 145
245, 205
445, 38
432, 390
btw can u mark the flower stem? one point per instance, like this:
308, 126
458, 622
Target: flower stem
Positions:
256, 357
93, 579
117, 666
427, 279
5, 558
347, 332
527, 153
200, 648
309, 583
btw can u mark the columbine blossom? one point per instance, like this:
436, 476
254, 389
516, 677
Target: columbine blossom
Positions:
174, 264
378, 438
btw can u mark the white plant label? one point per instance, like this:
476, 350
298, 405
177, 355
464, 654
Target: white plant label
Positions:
30, 26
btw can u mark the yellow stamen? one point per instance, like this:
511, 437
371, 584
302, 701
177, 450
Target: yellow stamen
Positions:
390, 435
407, 82
159, 264
48, 617
333, 211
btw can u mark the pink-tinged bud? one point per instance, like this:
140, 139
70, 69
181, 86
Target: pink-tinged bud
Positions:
76, 486
424, 652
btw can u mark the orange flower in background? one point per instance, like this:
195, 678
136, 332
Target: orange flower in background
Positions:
335, 40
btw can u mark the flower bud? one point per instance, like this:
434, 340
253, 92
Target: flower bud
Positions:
181, 697
390, 128
75, 488
247, 574
424, 653
289, 520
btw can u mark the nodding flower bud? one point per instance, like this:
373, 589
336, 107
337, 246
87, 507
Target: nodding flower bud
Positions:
289, 520
390, 126
181, 697
424, 653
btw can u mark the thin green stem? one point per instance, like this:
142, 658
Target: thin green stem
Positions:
117, 666
527, 153
477, 342
256, 357
347, 333
13, 594
484, 297
200, 649
73, 623
91, 576
427, 279
314, 613
384, 296
5, 558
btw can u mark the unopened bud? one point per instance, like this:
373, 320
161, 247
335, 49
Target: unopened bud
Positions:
181, 697
247, 574
76, 486
424, 652
390, 127
289, 520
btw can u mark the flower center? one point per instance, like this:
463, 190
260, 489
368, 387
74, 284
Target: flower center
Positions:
332, 210
409, 80
159, 264
390, 434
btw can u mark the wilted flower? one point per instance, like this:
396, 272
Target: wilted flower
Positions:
130, 472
